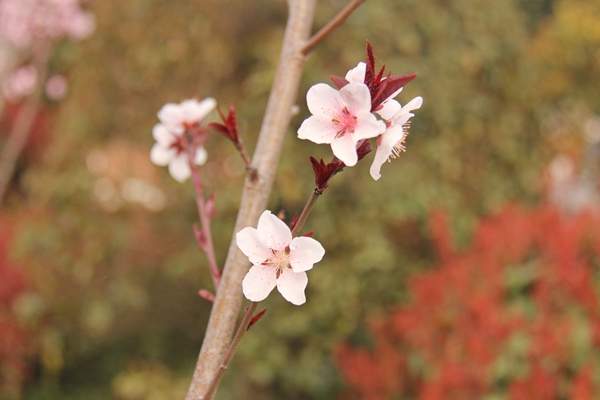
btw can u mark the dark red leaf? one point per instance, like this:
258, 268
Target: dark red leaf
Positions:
256, 318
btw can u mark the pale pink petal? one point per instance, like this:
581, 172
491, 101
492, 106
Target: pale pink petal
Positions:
250, 244
385, 148
170, 114
357, 74
317, 130
368, 126
304, 253
273, 232
160, 155
195, 111
344, 148
356, 97
414, 104
259, 282
162, 135
389, 109
179, 168
291, 285
201, 156
324, 101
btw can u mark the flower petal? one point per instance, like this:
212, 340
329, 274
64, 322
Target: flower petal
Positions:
356, 97
162, 135
291, 285
389, 109
385, 148
201, 156
344, 148
368, 126
317, 130
194, 110
273, 232
324, 101
259, 282
414, 104
248, 241
357, 74
304, 253
171, 115
160, 155
179, 168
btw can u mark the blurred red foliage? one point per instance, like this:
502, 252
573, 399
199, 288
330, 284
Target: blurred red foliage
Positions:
13, 337
40, 132
516, 314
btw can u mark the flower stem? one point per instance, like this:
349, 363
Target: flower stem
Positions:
207, 243
242, 328
310, 203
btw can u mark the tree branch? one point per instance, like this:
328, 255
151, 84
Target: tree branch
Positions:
256, 192
338, 20
21, 129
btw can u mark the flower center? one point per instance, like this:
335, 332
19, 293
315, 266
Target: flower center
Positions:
280, 260
345, 122
178, 144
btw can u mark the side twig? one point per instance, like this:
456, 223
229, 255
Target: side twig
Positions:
338, 20
204, 236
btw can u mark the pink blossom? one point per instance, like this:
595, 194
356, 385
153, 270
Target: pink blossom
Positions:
175, 134
56, 87
391, 143
25, 22
20, 83
340, 118
278, 260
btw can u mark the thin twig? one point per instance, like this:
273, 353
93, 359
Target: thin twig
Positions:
242, 328
310, 203
21, 130
338, 20
207, 243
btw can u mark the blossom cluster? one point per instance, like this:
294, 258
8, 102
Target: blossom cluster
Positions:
23, 23
515, 315
180, 135
362, 107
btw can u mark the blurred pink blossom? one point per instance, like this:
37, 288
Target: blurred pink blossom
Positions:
56, 87
19, 83
24, 22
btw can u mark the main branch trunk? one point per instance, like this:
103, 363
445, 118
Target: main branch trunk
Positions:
275, 124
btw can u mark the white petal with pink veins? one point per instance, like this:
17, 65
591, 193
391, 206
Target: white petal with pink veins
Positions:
259, 282
162, 135
356, 97
357, 74
248, 240
179, 168
368, 127
317, 130
273, 232
291, 285
324, 101
344, 148
160, 155
304, 253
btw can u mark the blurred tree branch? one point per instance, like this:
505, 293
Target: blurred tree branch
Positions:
17, 138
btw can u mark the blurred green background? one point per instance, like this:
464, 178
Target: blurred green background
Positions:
111, 309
